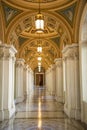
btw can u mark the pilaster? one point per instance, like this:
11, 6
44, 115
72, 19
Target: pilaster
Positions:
19, 80
7, 56
72, 90
59, 79
26, 84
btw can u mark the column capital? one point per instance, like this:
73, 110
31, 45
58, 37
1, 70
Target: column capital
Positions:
20, 62
26, 67
52, 67
71, 51
7, 51
58, 62
57, 59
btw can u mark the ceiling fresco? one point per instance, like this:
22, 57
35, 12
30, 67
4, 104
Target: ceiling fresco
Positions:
9, 13
68, 13
29, 52
19, 19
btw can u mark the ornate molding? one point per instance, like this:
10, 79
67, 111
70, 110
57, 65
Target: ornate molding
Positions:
26, 67
58, 62
13, 59
20, 62
7, 51
71, 52
6, 56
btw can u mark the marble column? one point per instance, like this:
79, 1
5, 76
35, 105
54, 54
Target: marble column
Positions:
30, 77
48, 80
59, 80
19, 80
64, 79
26, 83
46, 75
7, 59
53, 79
72, 95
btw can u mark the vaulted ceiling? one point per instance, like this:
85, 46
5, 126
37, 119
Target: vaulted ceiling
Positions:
60, 18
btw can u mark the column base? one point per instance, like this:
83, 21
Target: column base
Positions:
66, 110
59, 99
78, 114
63, 97
1, 115
9, 113
52, 93
70, 113
73, 113
19, 99
84, 112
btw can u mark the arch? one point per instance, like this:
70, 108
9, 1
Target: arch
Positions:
60, 21
29, 51
58, 29
1, 27
83, 63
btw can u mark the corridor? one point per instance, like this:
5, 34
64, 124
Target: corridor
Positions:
40, 111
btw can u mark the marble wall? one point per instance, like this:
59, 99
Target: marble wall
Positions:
83, 63
83, 80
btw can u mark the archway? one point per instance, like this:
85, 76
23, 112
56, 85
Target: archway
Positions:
1, 27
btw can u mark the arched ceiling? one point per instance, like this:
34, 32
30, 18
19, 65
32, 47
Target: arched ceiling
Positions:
19, 22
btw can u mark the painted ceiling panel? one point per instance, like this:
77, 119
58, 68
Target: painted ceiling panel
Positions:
68, 13
22, 40
9, 13
56, 40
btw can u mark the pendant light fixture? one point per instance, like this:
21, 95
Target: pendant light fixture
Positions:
39, 21
39, 48
39, 58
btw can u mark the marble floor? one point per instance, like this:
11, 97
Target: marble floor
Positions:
40, 111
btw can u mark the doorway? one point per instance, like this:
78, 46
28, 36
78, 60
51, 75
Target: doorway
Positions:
39, 79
